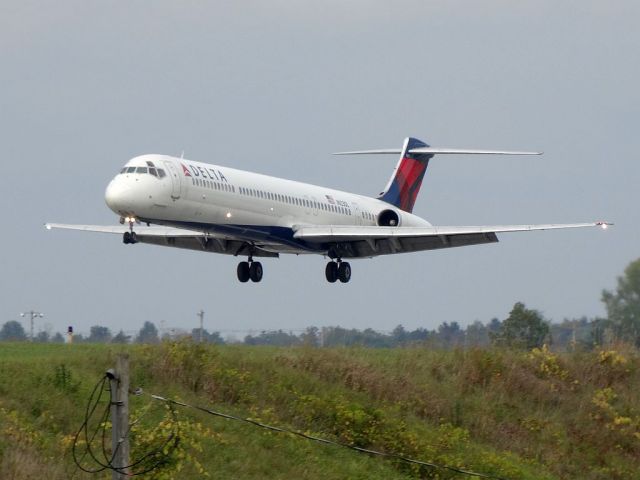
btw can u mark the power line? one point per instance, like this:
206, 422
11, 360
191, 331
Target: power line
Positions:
326, 441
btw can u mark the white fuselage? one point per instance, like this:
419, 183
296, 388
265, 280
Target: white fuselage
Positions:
224, 200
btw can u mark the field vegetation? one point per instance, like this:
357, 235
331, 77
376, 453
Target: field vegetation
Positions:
517, 414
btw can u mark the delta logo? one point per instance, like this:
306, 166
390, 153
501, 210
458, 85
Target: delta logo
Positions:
204, 172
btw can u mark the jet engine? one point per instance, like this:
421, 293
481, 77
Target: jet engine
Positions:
388, 218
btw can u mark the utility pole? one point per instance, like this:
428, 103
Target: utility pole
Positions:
119, 382
32, 314
201, 315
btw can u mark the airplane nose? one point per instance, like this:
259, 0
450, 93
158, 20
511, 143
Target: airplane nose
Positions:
118, 197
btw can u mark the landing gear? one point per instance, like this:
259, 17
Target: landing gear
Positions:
129, 238
338, 271
331, 272
255, 272
344, 272
250, 271
243, 272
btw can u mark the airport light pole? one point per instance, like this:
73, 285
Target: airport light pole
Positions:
32, 315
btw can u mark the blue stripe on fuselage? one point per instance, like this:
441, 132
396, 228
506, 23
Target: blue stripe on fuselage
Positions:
248, 233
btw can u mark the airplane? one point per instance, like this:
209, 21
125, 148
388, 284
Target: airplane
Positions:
175, 202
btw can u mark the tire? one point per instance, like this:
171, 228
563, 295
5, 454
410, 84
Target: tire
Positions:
331, 272
243, 272
133, 238
344, 272
126, 238
255, 272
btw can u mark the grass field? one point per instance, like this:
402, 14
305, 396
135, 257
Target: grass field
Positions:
517, 415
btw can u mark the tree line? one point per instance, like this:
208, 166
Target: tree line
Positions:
524, 328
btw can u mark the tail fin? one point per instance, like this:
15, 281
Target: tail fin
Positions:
404, 184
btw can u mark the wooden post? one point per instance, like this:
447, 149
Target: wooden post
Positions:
201, 315
120, 415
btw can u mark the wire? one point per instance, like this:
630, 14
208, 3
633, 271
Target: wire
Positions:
328, 442
160, 454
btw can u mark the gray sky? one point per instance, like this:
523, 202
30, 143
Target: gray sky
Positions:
274, 87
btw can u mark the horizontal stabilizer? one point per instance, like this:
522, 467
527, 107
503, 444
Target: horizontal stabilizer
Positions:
436, 151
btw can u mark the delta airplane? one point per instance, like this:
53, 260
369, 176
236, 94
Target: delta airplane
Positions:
175, 202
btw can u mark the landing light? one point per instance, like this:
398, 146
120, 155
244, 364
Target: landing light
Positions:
604, 225
228, 214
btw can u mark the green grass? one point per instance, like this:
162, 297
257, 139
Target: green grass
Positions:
517, 415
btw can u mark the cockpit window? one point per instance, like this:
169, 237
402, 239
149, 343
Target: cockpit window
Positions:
150, 164
152, 170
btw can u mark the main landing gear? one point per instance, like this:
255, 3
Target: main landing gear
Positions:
250, 271
338, 271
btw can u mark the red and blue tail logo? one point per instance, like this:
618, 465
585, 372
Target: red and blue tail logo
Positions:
402, 190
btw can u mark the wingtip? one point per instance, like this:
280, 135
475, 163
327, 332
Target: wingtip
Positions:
603, 224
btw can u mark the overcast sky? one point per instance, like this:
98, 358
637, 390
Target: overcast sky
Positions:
274, 87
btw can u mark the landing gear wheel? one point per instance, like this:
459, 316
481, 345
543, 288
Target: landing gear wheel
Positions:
129, 238
243, 272
331, 272
344, 272
255, 272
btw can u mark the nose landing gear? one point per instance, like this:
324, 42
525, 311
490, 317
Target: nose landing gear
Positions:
249, 271
129, 237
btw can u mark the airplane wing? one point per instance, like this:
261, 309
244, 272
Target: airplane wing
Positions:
175, 237
155, 231
367, 241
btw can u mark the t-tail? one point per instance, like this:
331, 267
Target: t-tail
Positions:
405, 182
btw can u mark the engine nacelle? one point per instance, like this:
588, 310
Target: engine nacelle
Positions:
388, 218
